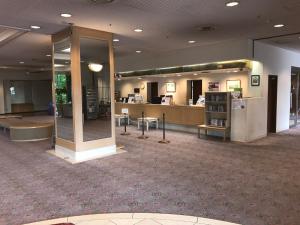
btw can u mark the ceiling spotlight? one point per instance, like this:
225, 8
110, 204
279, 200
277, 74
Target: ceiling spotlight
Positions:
232, 4
138, 30
21, 62
35, 27
116, 40
279, 25
95, 67
195, 74
48, 55
138, 51
66, 15
192, 42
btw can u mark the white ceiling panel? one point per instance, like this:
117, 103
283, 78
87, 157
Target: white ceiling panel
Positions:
167, 24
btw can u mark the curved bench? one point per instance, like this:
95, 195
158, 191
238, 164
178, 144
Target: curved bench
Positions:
22, 130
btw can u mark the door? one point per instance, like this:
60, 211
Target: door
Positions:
293, 99
196, 90
272, 103
152, 90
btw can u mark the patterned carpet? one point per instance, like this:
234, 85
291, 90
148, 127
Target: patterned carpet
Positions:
251, 184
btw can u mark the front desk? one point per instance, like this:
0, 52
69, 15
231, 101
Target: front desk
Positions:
174, 114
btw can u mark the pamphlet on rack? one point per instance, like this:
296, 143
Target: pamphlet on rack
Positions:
238, 104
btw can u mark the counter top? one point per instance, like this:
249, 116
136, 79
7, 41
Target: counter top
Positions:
149, 104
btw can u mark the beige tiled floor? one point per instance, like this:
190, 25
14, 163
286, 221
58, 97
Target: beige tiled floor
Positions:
134, 219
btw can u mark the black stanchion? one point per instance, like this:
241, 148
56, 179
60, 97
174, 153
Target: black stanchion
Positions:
164, 141
125, 126
143, 128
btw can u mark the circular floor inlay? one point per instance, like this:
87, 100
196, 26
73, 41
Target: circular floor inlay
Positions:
133, 219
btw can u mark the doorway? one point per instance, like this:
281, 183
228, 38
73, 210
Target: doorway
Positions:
295, 97
272, 103
196, 89
152, 91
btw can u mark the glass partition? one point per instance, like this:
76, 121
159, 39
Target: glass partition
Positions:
63, 90
95, 81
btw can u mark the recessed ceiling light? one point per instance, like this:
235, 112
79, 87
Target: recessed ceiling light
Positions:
116, 40
138, 51
279, 25
138, 30
66, 15
139, 78
48, 55
195, 74
232, 4
35, 27
21, 62
178, 75
192, 42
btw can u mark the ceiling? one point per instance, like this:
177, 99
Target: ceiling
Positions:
167, 24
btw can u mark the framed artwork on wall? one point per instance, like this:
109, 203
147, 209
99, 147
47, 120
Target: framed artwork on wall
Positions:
213, 86
255, 80
171, 87
233, 84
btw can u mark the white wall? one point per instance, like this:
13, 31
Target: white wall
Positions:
2, 102
221, 51
277, 61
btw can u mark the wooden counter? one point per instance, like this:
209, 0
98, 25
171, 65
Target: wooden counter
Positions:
175, 114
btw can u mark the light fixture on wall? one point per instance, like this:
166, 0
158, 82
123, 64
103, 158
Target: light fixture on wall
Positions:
95, 67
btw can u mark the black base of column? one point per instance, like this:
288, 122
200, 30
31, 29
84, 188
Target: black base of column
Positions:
164, 141
143, 137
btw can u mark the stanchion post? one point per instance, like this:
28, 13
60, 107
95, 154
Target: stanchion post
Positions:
125, 125
143, 128
164, 141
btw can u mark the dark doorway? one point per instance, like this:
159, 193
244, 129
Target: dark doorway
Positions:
272, 103
196, 90
152, 90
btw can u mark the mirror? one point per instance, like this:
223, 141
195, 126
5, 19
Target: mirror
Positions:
95, 81
63, 90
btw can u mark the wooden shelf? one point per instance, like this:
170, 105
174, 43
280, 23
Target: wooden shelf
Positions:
217, 120
215, 112
216, 102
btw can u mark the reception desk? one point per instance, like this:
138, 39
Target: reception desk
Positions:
175, 114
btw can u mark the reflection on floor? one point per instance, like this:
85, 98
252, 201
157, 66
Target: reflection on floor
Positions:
249, 184
133, 219
92, 129
97, 129
65, 128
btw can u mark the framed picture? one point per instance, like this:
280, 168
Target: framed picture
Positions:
232, 84
213, 86
171, 87
255, 80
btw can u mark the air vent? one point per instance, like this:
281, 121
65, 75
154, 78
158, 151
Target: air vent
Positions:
206, 28
101, 1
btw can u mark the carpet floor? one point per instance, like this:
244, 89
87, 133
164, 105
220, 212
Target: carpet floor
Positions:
252, 184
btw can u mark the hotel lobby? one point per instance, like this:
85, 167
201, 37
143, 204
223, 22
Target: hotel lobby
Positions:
136, 112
